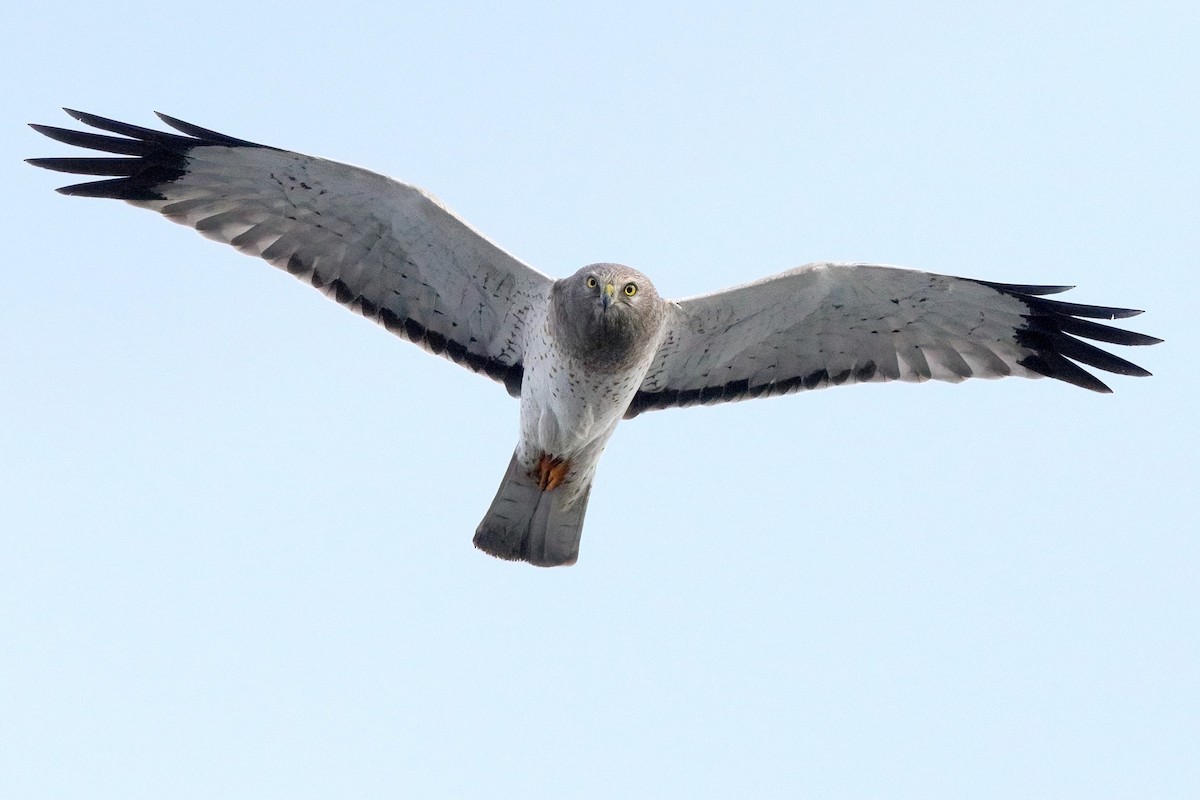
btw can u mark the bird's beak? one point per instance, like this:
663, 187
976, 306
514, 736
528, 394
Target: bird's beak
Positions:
610, 294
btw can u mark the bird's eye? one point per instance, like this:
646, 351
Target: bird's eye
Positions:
630, 289
591, 282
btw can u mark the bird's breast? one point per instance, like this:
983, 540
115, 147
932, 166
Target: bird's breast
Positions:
567, 404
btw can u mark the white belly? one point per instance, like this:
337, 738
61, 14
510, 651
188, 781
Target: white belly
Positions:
566, 412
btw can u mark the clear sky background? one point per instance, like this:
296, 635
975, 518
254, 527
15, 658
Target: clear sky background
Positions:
235, 519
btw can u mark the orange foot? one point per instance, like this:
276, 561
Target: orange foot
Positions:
551, 472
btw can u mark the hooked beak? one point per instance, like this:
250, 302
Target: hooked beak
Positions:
609, 294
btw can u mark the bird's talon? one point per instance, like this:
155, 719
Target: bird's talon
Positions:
551, 472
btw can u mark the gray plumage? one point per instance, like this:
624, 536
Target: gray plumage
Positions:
585, 351
585, 358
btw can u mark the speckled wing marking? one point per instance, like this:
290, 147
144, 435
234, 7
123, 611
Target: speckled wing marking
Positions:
383, 248
832, 324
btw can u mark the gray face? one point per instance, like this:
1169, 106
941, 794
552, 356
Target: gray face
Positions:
606, 314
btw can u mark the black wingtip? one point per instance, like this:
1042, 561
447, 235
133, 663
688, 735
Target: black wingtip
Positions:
1050, 336
90, 166
1022, 288
207, 135
1054, 365
87, 119
131, 189
159, 157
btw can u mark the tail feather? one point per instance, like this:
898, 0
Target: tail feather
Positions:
525, 523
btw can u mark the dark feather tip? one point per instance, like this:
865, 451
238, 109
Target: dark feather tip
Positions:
1054, 331
158, 157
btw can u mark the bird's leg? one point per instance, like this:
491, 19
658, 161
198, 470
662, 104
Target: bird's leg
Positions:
551, 471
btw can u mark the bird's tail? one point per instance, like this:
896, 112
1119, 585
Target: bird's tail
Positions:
526, 523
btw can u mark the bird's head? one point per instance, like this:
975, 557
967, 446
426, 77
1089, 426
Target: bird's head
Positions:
607, 307
616, 288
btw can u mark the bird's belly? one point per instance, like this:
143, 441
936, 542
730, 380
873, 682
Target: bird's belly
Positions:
566, 412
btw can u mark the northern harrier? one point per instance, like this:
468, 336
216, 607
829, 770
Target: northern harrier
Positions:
585, 351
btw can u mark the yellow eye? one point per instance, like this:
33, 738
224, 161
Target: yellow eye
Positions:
591, 282
630, 289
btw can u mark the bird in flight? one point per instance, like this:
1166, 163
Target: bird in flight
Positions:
586, 351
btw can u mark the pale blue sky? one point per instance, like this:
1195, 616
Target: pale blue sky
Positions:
235, 519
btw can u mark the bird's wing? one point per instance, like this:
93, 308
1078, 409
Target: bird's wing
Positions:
383, 248
832, 324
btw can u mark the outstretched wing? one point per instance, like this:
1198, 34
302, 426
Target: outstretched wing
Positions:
383, 248
832, 324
